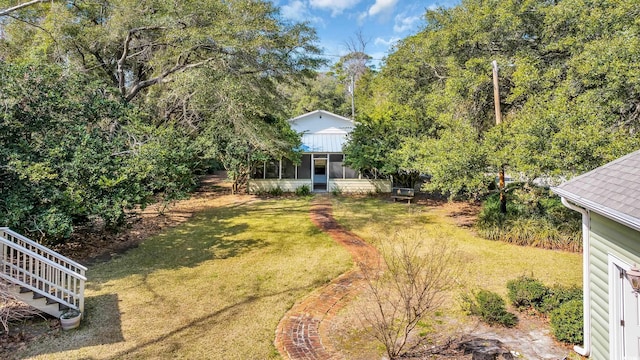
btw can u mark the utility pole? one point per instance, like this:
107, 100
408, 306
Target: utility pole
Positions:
496, 101
353, 94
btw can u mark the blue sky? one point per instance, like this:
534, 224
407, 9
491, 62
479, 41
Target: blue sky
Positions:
382, 22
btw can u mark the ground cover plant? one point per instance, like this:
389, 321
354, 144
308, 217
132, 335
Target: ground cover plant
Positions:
534, 217
214, 287
490, 307
485, 264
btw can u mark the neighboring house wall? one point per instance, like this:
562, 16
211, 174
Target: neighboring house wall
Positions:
607, 238
287, 185
321, 165
363, 186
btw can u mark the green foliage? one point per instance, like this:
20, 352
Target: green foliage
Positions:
55, 152
526, 292
568, 96
303, 190
322, 92
534, 218
562, 304
162, 41
336, 191
276, 191
490, 307
567, 322
147, 95
75, 153
559, 295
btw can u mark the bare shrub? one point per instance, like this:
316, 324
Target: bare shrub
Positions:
408, 285
12, 309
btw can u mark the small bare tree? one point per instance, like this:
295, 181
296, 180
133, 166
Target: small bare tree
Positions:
409, 285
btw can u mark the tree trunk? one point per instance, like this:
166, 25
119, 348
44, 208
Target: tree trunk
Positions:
503, 197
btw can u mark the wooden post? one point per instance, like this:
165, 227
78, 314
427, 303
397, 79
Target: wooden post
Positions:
496, 93
496, 102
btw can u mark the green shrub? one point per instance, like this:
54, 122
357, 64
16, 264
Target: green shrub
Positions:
525, 292
567, 322
534, 218
559, 295
303, 190
336, 191
491, 308
277, 191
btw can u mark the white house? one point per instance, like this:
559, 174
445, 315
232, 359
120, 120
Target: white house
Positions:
321, 169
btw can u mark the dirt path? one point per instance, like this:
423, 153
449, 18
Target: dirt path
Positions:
300, 332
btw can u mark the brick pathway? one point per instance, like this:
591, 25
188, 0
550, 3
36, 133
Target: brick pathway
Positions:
300, 332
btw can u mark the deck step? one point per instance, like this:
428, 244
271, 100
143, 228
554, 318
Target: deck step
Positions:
38, 301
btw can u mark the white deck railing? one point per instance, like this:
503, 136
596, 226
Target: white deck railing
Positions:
41, 270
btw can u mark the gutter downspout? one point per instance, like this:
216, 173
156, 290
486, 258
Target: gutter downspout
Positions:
585, 350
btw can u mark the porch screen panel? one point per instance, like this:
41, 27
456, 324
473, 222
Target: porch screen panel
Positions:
272, 169
288, 169
304, 169
258, 171
349, 173
335, 166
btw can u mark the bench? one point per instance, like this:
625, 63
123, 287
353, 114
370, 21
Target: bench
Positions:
402, 194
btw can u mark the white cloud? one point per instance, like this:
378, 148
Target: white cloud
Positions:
386, 42
297, 10
382, 7
361, 18
336, 6
405, 22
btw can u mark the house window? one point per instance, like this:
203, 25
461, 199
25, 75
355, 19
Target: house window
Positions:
272, 169
349, 173
336, 170
288, 169
304, 169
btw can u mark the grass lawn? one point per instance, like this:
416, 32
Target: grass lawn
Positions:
481, 263
485, 263
213, 288
216, 286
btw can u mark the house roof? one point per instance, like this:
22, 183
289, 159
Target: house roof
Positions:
612, 190
322, 131
319, 113
328, 143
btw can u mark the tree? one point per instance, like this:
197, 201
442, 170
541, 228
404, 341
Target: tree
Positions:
58, 162
137, 45
568, 91
163, 82
407, 288
323, 91
352, 66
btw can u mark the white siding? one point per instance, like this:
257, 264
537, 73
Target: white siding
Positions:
344, 185
318, 121
288, 185
360, 185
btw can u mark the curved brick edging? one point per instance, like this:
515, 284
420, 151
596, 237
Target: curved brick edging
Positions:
300, 332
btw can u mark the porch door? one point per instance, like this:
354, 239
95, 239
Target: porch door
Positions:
319, 172
630, 321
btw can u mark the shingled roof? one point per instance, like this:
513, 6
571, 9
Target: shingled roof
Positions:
612, 190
